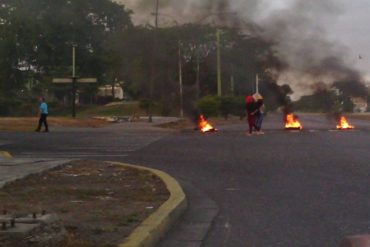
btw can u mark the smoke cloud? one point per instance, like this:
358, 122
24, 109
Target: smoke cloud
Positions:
298, 27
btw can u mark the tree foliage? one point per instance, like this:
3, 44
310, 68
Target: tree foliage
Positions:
36, 39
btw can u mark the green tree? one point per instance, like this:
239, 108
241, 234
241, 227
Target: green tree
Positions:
37, 37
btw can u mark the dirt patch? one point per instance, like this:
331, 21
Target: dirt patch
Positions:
187, 124
362, 116
230, 120
30, 123
99, 203
178, 125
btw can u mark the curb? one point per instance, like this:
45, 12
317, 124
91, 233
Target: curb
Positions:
356, 241
151, 230
5, 154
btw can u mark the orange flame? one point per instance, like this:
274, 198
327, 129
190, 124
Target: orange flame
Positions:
204, 126
343, 124
291, 122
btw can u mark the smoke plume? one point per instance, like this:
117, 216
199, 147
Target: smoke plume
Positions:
298, 27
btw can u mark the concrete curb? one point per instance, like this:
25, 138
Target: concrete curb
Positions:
5, 154
151, 230
356, 241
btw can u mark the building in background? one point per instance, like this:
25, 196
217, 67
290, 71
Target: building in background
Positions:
360, 104
106, 91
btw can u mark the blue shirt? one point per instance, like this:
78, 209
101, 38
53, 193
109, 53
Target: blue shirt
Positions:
44, 108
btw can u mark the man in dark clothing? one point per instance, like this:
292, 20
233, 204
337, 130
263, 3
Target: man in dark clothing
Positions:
43, 114
260, 109
251, 108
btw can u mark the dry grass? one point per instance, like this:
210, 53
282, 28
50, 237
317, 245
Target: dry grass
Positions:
99, 203
30, 123
214, 121
361, 116
222, 121
178, 125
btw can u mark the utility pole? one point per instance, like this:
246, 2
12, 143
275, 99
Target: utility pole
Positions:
219, 83
114, 88
154, 50
232, 81
180, 82
74, 80
156, 13
232, 85
197, 79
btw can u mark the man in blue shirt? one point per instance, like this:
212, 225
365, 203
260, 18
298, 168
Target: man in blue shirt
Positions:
43, 114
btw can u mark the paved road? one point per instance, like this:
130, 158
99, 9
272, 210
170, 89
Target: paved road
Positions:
308, 188
298, 189
114, 141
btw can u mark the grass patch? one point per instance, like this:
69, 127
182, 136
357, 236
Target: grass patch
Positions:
361, 116
118, 109
28, 124
95, 214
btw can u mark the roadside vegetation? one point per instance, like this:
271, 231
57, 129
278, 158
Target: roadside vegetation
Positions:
36, 46
98, 203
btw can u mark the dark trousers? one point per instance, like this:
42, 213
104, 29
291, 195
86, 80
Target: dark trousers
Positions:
259, 119
43, 120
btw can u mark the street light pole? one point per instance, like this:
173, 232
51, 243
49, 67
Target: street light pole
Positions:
154, 50
156, 13
218, 38
179, 60
197, 81
219, 83
74, 80
180, 82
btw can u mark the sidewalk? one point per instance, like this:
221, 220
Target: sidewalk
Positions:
12, 169
193, 226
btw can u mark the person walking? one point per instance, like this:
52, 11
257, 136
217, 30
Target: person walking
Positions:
43, 114
260, 109
251, 111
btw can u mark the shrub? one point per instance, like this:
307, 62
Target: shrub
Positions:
227, 105
239, 107
146, 104
15, 107
209, 105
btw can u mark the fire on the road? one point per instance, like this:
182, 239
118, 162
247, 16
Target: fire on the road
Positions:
204, 126
343, 124
291, 122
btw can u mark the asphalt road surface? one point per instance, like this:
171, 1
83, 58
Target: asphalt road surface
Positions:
285, 188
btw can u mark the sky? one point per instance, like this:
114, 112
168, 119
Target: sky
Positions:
353, 30
308, 31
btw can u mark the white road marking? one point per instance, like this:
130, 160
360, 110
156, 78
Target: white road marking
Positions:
227, 227
69, 155
232, 189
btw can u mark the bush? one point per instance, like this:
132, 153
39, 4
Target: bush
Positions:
209, 105
146, 104
239, 107
227, 105
15, 107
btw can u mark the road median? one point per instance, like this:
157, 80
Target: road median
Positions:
150, 231
99, 202
5, 155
